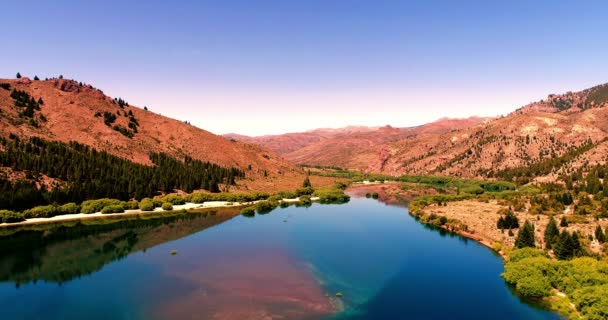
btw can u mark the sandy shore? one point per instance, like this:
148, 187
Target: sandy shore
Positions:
187, 206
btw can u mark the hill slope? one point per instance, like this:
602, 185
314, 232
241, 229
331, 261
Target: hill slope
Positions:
556, 135
66, 110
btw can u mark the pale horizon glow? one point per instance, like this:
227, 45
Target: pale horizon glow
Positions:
260, 68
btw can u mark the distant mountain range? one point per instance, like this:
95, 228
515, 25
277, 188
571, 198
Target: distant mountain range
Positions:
571, 128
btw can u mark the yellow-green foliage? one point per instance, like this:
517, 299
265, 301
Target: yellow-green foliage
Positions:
584, 280
331, 195
7, 216
113, 208
146, 204
241, 197
173, 199
92, 206
167, 206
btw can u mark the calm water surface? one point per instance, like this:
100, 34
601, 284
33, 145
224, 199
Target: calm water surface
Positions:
288, 264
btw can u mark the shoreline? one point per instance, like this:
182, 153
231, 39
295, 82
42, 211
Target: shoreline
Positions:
188, 207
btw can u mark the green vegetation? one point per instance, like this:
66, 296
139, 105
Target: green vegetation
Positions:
248, 211
509, 221
333, 194
525, 236
551, 233
86, 173
146, 204
7, 216
167, 206
200, 197
18, 76
115, 208
599, 234
584, 280
306, 183
26, 103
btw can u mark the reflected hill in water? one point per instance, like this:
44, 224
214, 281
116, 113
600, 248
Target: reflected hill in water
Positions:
59, 253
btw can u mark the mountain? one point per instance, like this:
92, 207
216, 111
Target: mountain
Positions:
351, 147
289, 142
65, 110
544, 139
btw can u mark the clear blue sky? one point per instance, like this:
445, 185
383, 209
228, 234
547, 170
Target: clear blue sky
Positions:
258, 67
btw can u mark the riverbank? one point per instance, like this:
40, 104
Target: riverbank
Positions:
188, 206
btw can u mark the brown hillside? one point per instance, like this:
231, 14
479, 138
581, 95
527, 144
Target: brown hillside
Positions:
73, 111
553, 128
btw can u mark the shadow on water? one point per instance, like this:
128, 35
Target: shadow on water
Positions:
59, 253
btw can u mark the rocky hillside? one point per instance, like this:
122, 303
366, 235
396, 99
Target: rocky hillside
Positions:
67, 110
542, 140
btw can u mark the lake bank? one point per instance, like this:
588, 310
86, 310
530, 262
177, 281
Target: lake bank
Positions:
189, 206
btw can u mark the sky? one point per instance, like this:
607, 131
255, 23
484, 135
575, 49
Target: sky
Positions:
268, 67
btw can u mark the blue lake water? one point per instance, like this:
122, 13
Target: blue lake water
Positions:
287, 264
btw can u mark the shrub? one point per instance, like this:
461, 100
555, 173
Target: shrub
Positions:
304, 191
287, 195
130, 205
92, 206
7, 216
41, 212
375, 195
265, 206
473, 190
248, 211
113, 208
69, 208
167, 206
331, 195
146, 205
174, 199
305, 200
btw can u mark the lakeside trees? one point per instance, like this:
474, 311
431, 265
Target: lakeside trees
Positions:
84, 173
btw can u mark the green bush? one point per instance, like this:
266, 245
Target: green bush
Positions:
331, 195
248, 211
167, 206
265, 206
92, 206
130, 205
305, 200
69, 208
146, 205
113, 208
287, 195
174, 199
473, 190
304, 191
41, 212
7, 216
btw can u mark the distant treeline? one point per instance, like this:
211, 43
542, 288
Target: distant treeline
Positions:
85, 173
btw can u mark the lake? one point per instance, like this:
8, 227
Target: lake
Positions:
360, 260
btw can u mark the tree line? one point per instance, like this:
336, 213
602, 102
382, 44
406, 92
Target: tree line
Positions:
85, 173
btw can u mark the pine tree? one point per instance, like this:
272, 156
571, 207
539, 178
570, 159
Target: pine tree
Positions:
306, 183
36, 78
599, 234
525, 236
551, 233
18, 75
563, 222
